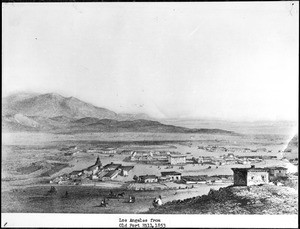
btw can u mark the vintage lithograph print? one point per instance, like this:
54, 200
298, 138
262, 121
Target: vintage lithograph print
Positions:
150, 108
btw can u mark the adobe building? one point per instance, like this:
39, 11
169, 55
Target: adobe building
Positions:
110, 175
277, 172
124, 170
111, 167
177, 159
250, 176
108, 150
148, 179
171, 175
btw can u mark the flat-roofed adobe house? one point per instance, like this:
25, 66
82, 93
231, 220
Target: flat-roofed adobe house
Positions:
108, 150
110, 175
277, 172
125, 170
250, 176
111, 167
171, 175
148, 179
176, 159
204, 159
101, 174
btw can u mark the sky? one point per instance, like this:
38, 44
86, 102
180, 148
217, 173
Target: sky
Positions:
229, 61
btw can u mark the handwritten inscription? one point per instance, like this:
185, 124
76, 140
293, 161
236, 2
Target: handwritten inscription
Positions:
141, 223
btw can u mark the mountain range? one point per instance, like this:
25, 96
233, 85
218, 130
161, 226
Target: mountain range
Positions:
52, 112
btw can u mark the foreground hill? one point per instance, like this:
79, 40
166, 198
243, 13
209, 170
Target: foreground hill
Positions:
265, 199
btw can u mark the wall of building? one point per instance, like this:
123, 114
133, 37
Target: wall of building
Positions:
151, 180
175, 177
240, 178
177, 160
255, 178
273, 174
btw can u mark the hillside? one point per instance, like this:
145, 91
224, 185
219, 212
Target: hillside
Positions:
293, 144
291, 150
54, 113
53, 105
63, 124
265, 199
140, 125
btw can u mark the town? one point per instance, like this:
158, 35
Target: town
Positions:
169, 163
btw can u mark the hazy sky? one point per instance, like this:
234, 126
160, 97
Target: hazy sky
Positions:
235, 61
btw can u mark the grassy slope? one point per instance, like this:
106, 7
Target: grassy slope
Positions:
266, 199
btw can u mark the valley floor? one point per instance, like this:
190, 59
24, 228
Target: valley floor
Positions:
31, 161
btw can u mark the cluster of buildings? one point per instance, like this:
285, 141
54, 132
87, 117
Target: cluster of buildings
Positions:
205, 179
213, 148
256, 176
230, 159
96, 172
103, 150
165, 177
241, 176
179, 159
158, 157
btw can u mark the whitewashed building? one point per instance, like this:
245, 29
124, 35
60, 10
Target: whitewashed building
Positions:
176, 159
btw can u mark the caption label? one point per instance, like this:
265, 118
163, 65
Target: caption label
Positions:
141, 223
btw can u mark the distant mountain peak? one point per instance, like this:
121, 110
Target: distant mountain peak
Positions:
53, 95
54, 105
72, 98
55, 113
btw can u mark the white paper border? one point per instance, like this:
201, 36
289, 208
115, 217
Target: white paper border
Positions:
112, 220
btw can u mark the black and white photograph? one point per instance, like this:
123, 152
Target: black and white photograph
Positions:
150, 115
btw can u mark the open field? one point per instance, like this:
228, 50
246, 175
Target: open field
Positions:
86, 199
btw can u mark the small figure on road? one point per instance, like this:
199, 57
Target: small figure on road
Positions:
157, 202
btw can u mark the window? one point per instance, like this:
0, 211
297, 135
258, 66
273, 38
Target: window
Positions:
252, 177
263, 178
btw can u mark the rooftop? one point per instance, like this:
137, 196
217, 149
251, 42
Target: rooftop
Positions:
90, 168
276, 167
170, 173
129, 167
75, 172
112, 165
110, 148
251, 169
177, 155
148, 176
111, 173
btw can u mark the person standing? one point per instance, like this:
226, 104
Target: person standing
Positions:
159, 201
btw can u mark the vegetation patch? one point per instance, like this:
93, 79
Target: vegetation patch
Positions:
265, 199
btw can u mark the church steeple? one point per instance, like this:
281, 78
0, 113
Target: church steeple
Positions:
98, 162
